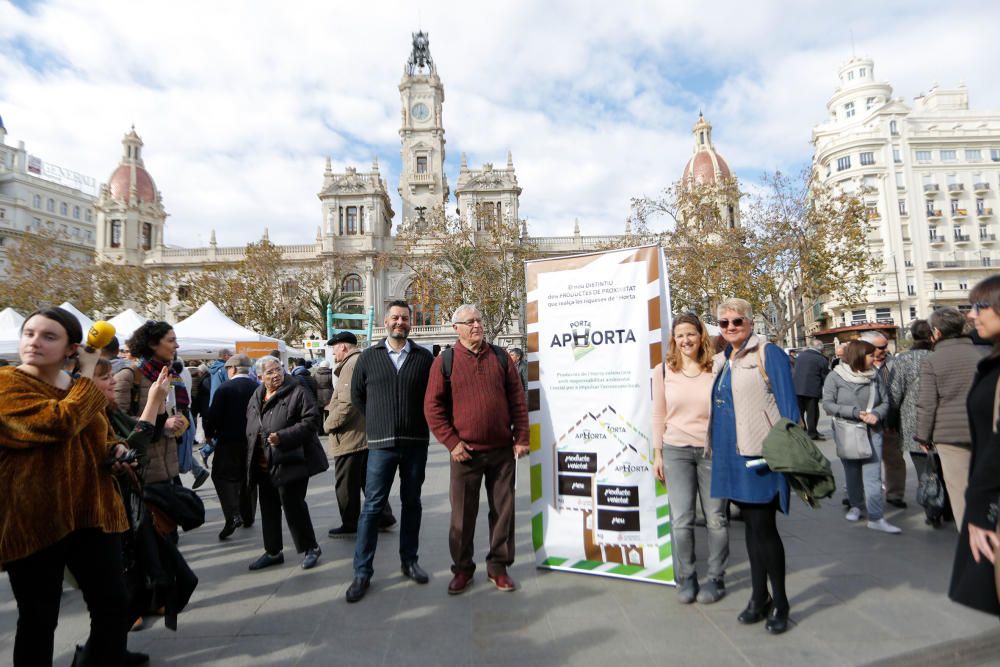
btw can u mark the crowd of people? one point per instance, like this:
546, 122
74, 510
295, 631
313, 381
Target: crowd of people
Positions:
93, 443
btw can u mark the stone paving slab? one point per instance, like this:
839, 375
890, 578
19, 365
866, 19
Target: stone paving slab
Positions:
857, 596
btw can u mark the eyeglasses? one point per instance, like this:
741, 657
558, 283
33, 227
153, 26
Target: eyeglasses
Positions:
736, 322
469, 323
980, 306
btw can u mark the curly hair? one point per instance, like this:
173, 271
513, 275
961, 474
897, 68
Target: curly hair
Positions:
146, 337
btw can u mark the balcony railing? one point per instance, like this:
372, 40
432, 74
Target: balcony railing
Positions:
980, 187
934, 238
984, 212
931, 188
960, 213
962, 238
984, 262
987, 238
933, 213
956, 187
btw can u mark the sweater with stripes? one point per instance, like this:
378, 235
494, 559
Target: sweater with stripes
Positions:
392, 401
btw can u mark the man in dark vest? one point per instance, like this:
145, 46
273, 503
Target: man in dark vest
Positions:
388, 388
475, 405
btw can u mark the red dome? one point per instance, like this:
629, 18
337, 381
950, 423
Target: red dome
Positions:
702, 168
121, 182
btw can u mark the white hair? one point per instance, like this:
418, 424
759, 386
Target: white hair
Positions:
264, 361
873, 336
455, 319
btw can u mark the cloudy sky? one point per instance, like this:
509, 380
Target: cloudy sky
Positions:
239, 103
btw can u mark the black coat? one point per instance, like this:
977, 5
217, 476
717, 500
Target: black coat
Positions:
292, 414
972, 584
226, 421
810, 372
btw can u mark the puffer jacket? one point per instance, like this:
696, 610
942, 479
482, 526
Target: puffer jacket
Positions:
292, 414
162, 451
945, 379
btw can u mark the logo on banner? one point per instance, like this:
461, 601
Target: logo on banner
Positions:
583, 339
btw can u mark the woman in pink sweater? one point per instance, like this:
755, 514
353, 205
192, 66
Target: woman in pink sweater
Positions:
682, 400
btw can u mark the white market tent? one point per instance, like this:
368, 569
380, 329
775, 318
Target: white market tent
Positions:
10, 332
85, 322
126, 322
208, 330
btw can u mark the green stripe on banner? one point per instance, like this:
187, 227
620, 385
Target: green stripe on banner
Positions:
626, 569
586, 565
666, 550
536, 482
661, 489
554, 561
662, 511
537, 531
663, 529
663, 575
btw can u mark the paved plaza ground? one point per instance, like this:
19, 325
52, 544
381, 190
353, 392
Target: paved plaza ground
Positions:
857, 596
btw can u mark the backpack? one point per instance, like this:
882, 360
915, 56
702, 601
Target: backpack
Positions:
448, 358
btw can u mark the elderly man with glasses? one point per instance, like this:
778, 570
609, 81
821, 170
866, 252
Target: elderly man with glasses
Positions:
475, 405
893, 465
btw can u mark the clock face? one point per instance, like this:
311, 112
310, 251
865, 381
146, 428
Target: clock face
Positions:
420, 111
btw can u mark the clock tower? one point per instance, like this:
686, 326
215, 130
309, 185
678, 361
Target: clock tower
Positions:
423, 185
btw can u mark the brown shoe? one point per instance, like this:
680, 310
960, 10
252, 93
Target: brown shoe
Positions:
459, 583
503, 582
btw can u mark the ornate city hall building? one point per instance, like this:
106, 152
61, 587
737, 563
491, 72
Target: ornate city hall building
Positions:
356, 225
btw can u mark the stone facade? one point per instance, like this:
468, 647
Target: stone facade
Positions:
931, 170
40, 196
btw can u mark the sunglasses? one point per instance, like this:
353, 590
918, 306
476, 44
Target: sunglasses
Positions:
736, 322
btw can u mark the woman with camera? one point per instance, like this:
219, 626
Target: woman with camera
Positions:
60, 508
283, 451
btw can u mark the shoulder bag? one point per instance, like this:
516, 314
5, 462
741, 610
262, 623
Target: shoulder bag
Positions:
852, 437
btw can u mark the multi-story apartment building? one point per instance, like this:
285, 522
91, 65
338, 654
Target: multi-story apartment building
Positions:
37, 195
930, 172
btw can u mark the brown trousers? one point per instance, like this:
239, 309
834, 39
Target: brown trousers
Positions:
893, 465
496, 466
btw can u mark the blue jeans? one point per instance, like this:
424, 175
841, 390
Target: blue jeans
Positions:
864, 479
382, 463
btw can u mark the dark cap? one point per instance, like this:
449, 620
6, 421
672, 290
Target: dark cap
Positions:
343, 337
238, 360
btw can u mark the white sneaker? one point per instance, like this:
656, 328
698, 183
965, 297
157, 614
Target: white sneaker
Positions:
884, 526
853, 514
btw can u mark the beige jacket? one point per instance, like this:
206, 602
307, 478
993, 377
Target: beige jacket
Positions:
344, 423
163, 465
753, 404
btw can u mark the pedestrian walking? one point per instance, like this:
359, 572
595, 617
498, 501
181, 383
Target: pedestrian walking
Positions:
905, 388
811, 368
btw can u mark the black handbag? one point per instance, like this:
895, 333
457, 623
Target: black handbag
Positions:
930, 490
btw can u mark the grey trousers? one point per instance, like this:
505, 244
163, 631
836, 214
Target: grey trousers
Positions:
689, 476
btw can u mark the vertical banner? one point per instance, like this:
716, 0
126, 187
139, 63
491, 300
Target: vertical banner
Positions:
596, 327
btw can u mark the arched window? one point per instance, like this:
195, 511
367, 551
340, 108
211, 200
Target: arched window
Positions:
147, 236
893, 129
424, 314
116, 233
352, 283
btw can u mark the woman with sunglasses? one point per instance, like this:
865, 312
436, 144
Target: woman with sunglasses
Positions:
973, 577
682, 401
753, 389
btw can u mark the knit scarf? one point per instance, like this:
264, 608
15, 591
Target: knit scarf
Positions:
853, 376
151, 369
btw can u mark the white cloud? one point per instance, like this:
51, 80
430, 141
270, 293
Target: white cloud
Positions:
239, 103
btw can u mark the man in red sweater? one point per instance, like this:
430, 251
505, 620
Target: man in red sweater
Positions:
481, 416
